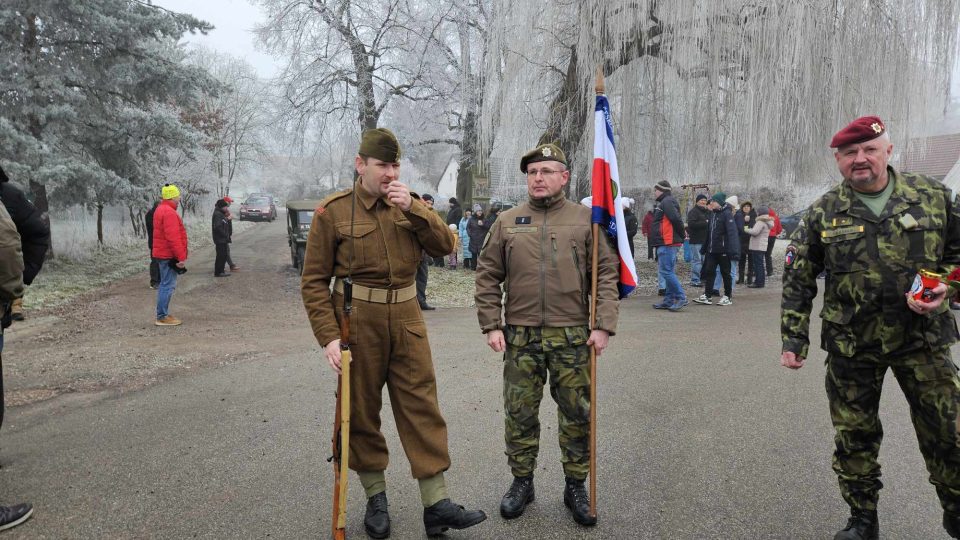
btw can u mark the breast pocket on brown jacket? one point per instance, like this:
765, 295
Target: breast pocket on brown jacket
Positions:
358, 242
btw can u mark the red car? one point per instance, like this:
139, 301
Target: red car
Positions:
258, 207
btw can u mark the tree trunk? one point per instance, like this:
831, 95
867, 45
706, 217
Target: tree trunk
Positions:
468, 158
369, 113
100, 223
468, 144
134, 222
567, 118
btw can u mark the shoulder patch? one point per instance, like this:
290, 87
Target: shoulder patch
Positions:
790, 256
330, 198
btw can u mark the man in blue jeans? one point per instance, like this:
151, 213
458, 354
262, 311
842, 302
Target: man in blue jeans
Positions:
697, 219
666, 235
169, 250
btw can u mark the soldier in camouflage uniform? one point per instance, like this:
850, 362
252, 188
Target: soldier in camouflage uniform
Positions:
872, 234
539, 253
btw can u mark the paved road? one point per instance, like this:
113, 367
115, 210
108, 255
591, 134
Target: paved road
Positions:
702, 434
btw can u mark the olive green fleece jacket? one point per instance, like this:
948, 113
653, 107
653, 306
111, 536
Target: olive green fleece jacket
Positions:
11, 260
540, 252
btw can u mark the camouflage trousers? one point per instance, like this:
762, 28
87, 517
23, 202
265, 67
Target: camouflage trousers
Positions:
532, 354
929, 382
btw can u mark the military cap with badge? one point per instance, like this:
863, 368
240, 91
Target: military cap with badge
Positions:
544, 152
863, 129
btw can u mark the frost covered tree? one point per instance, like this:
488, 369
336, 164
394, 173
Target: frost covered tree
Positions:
91, 96
235, 119
457, 69
739, 91
350, 56
353, 59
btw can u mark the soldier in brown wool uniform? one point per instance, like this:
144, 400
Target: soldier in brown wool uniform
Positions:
375, 233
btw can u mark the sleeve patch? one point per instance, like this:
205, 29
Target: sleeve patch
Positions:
790, 256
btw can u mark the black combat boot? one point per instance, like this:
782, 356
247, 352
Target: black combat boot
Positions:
576, 498
377, 520
447, 515
517, 498
951, 522
862, 525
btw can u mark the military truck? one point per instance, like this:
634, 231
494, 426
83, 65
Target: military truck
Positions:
299, 217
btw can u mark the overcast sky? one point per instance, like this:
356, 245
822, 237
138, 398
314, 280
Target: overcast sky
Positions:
233, 22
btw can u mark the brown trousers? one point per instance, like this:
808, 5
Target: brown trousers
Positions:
389, 346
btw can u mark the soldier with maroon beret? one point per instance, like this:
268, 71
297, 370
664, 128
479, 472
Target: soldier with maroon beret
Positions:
873, 234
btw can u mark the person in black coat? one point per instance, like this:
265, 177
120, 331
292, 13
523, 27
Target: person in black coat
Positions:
477, 229
632, 224
154, 265
455, 213
221, 229
697, 224
34, 233
720, 250
746, 217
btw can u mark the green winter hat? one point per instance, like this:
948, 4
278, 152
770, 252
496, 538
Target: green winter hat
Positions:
380, 143
720, 197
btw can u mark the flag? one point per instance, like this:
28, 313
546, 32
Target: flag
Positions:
607, 202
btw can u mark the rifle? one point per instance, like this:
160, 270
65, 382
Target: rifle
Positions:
341, 421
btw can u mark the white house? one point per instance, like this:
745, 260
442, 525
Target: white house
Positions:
447, 187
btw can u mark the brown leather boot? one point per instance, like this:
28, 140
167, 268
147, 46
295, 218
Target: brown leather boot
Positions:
16, 309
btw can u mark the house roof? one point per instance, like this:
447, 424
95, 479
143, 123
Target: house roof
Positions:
933, 156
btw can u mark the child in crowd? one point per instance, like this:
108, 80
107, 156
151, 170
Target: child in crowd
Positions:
452, 257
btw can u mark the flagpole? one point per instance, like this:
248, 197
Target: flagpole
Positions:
594, 266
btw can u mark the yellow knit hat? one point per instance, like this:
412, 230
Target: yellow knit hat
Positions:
169, 191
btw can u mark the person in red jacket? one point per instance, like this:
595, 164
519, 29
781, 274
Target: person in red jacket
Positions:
645, 226
169, 250
774, 233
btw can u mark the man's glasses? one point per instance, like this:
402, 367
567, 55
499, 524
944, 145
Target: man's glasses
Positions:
532, 173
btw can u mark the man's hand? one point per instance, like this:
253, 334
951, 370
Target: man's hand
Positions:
922, 308
181, 264
599, 340
496, 341
332, 351
399, 195
791, 360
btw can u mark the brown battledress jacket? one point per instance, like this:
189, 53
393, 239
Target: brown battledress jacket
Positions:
388, 341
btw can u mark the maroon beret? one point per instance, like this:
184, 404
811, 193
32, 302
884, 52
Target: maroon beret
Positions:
865, 128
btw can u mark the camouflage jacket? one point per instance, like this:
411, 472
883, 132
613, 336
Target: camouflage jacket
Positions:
870, 264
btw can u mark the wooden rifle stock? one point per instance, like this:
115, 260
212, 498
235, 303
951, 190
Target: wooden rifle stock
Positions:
341, 421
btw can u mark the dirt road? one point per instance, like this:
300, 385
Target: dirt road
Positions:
219, 428
105, 342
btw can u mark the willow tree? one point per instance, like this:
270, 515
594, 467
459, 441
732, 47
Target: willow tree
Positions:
743, 92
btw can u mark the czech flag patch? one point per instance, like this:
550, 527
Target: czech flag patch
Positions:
790, 256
